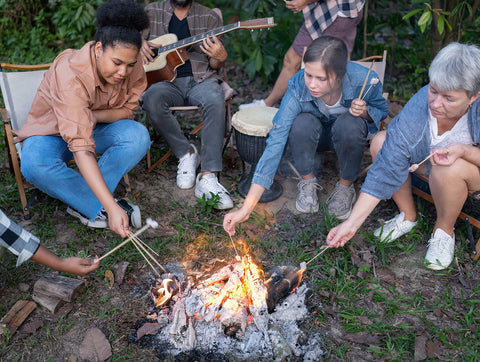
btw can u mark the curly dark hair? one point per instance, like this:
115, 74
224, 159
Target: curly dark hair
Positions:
120, 21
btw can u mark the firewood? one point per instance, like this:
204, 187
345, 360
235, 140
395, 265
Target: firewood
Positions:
53, 304
16, 316
58, 286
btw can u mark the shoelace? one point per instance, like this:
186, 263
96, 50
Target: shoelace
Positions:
216, 186
302, 185
336, 190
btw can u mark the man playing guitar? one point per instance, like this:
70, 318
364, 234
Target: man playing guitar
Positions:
196, 83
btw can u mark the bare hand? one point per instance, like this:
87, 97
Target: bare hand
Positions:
339, 235
79, 266
448, 155
118, 221
296, 6
359, 108
147, 53
233, 218
213, 47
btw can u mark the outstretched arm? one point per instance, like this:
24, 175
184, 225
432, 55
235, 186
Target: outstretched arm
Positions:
235, 217
342, 233
72, 265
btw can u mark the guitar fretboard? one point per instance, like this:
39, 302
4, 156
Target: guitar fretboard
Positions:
197, 38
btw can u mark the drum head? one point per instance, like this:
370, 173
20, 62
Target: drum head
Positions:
254, 121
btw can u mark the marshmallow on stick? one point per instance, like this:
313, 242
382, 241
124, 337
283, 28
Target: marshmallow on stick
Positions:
415, 166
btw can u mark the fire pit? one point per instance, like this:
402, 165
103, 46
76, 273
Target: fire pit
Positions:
232, 309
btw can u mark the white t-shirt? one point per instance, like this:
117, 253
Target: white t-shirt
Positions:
337, 108
458, 134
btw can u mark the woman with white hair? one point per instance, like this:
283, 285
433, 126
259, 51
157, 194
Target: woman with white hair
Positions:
442, 118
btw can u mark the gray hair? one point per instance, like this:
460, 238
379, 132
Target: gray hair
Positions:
457, 67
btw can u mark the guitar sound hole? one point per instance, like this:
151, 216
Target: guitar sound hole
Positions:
154, 50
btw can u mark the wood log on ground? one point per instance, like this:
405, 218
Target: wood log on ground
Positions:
53, 304
58, 286
16, 316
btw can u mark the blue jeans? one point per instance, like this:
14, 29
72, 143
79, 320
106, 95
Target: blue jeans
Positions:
347, 136
122, 144
208, 95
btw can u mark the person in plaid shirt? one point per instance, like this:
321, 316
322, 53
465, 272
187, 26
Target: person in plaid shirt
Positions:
27, 246
337, 18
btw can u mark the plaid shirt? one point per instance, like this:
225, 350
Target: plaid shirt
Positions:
321, 14
17, 240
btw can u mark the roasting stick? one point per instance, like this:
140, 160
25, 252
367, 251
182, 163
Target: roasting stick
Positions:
150, 223
236, 251
303, 265
136, 244
140, 244
146, 245
366, 78
415, 166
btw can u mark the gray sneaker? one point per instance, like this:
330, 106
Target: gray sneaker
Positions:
100, 222
307, 199
340, 201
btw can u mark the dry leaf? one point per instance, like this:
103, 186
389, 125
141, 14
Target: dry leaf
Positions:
364, 338
427, 294
385, 275
438, 312
147, 328
420, 347
434, 349
110, 277
365, 320
119, 270
95, 346
31, 327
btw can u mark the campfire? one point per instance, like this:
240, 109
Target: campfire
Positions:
233, 309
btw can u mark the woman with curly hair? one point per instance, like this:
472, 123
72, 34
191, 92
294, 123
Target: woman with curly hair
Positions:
84, 106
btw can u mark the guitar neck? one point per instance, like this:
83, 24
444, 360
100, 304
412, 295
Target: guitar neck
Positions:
198, 38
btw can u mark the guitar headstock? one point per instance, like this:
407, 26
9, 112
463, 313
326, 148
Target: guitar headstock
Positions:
257, 23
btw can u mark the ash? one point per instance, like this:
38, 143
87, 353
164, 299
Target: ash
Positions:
228, 313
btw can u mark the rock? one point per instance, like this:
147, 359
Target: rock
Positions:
95, 346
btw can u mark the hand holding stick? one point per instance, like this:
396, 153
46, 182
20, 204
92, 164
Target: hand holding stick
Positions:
415, 166
366, 78
150, 223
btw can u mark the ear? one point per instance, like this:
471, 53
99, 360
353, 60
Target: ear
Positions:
474, 98
98, 49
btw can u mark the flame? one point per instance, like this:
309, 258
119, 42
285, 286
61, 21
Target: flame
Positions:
164, 293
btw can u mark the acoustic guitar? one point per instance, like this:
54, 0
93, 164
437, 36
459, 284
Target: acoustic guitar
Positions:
173, 54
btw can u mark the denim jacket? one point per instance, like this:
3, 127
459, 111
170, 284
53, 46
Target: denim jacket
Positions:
407, 142
298, 100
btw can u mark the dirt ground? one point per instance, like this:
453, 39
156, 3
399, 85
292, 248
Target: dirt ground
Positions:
117, 309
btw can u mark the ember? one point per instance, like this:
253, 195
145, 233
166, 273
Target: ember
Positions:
235, 312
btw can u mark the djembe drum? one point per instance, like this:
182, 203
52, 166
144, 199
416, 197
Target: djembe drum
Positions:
251, 127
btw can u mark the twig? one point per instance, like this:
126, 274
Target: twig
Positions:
366, 78
294, 170
415, 166
231, 239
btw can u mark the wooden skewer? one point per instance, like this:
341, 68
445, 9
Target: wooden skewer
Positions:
366, 78
415, 166
134, 242
325, 247
139, 243
150, 223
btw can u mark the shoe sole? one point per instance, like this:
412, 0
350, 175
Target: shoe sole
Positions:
85, 221
435, 266
305, 211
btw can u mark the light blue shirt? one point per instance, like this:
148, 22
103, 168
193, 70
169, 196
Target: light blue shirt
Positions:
407, 142
298, 99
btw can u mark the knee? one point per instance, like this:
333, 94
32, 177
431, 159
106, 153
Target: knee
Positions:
348, 128
460, 170
377, 143
304, 127
136, 136
292, 60
153, 101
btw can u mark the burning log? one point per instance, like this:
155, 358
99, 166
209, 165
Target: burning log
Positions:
282, 281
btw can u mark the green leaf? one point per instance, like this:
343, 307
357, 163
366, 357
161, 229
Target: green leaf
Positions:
411, 13
425, 18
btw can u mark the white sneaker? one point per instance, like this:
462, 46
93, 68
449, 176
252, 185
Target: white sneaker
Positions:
307, 198
255, 103
209, 184
394, 228
441, 247
100, 222
186, 171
